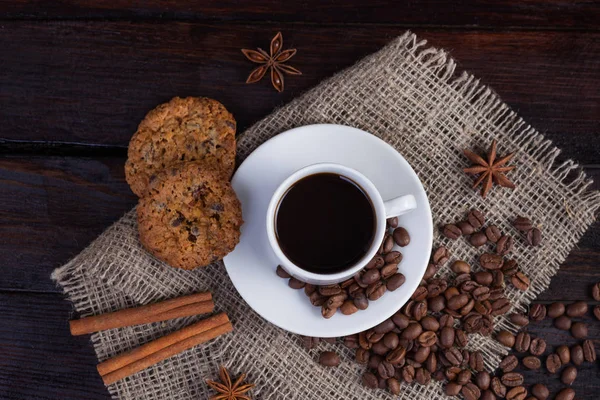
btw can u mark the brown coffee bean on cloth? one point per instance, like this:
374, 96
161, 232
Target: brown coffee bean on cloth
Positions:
329, 359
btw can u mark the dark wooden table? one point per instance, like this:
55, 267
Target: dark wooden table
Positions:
75, 79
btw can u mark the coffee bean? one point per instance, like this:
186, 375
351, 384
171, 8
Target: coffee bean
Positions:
327, 312
520, 281
519, 319
391, 340
589, 352
360, 301
337, 300
384, 327
452, 372
454, 356
509, 363
370, 380
401, 237
330, 290
537, 312
537, 346
504, 245
597, 312
282, 273
446, 320
553, 363
393, 257
451, 292
470, 392
563, 322
412, 331
500, 306
565, 394
440, 256
451, 231
540, 391
393, 386
493, 233
376, 262
396, 356
388, 244
419, 310
465, 227
476, 219
375, 290
483, 379
452, 389
408, 374
506, 338
427, 339
498, 279
348, 307
310, 288
478, 239
295, 283
497, 387
370, 276
392, 222
509, 267
429, 323
556, 310
483, 278
460, 338
568, 375
329, 359
379, 348
374, 361
577, 356
362, 356
431, 362
351, 341
463, 377
488, 395
579, 330
430, 271
447, 337
534, 237
476, 361
420, 293
460, 267
577, 309
512, 379
481, 293
522, 224
483, 307
457, 302
386, 370
422, 376
421, 354
596, 291
395, 281
564, 354
516, 393
490, 261
388, 270
400, 320
531, 362
522, 342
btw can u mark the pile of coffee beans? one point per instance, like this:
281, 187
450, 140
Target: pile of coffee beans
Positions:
474, 229
379, 276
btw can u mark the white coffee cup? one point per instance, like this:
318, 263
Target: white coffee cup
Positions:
383, 210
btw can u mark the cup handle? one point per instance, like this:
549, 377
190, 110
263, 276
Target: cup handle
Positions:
399, 205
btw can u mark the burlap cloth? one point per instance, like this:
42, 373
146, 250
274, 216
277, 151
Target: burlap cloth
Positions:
408, 95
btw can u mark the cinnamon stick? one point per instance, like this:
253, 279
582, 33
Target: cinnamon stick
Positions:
158, 353
168, 309
145, 350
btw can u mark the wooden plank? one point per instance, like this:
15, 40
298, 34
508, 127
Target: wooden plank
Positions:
56, 365
40, 359
474, 13
52, 207
92, 82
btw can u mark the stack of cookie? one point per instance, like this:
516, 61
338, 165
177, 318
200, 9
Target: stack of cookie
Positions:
179, 163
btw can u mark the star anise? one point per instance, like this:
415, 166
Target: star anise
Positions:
273, 61
489, 171
228, 390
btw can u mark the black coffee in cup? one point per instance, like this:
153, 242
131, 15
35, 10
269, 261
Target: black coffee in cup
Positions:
325, 223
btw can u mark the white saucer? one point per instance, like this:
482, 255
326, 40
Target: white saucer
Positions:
252, 264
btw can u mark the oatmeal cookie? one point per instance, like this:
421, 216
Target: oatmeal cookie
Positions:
184, 129
192, 218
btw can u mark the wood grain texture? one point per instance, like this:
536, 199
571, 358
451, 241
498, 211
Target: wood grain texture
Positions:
93, 81
474, 13
55, 365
